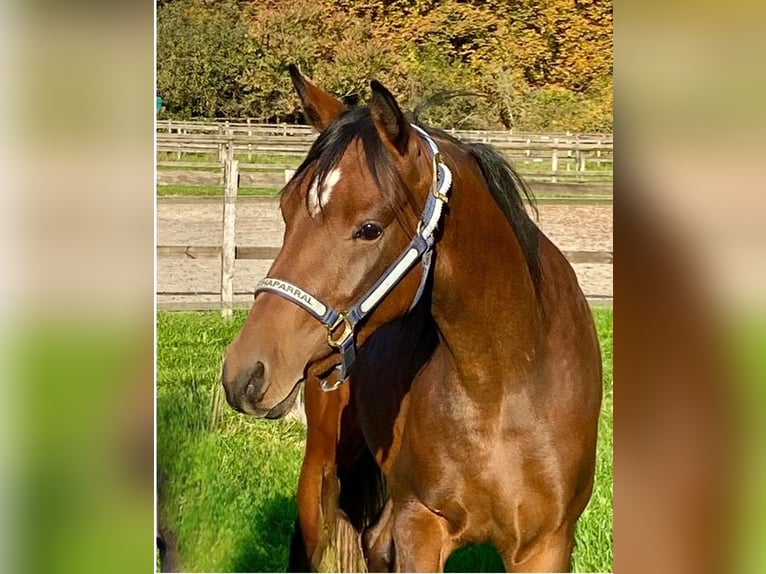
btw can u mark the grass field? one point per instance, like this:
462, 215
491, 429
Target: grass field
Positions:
183, 190
227, 491
526, 166
254, 157
210, 190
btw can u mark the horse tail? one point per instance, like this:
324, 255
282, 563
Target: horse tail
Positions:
363, 490
350, 499
362, 495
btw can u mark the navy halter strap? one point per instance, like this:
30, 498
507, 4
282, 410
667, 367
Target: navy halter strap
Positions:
419, 249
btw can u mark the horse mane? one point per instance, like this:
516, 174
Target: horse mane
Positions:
504, 183
510, 190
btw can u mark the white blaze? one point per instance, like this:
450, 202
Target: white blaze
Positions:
318, 199
313, 198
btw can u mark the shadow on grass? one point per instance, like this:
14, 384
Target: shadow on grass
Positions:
266, 546
475, 558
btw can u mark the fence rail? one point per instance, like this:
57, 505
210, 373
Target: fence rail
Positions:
306, 141
269, 253
238, 126
228, 252
558, 183
565, 152
553, 164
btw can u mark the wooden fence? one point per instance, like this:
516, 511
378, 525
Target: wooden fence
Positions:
228, 252
251, 127
563, 157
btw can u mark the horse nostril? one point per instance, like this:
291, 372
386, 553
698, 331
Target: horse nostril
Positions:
258, 371
254, 387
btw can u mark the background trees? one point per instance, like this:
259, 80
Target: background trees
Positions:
535, 65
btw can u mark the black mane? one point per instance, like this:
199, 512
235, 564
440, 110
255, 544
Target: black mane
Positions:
509, 191
333, 142
505, 184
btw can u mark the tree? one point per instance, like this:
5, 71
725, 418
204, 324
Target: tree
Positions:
536, 64
202, 52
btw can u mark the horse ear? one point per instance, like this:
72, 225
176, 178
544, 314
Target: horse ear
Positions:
320, 107
389, 119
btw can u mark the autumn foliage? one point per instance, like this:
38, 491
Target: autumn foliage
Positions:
530, 65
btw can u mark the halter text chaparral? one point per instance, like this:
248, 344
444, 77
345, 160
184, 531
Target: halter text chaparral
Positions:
420, 248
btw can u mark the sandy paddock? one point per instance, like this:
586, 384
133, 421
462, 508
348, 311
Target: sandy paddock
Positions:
197, 222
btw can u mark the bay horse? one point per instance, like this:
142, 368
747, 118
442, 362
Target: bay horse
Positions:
494, 438
341, 490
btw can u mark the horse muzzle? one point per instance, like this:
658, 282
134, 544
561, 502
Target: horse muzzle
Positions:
250, 390
245, 386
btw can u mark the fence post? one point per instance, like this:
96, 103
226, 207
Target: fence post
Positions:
555, 159
178, 153
249, 145
228, 246
577, 152
221, 154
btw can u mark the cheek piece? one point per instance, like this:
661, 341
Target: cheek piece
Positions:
419, 249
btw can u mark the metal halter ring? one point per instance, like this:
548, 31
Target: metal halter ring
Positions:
348, 330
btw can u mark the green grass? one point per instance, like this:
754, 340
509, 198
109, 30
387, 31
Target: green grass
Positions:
529, 168
228, 491
242, 157
524, 165
181, 190
593, 537
746, 344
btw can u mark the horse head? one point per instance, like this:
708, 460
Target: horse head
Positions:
361, 214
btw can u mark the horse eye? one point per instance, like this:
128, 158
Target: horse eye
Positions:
369, 231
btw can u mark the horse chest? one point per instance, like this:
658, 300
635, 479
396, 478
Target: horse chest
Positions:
456, 455
445, 445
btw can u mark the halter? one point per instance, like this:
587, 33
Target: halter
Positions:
420, 248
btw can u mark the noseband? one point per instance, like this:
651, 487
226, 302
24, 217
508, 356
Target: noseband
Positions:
419, 249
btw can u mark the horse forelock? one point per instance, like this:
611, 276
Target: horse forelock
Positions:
352, 132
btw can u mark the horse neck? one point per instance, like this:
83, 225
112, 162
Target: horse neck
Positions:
484, 300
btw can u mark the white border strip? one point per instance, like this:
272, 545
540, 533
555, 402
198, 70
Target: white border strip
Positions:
294, 293
393, 278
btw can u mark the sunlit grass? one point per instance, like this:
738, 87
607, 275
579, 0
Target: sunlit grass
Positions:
243, 157
183, 190
228, 490
180, 190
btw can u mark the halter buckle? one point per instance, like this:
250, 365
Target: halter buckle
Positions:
348, 331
